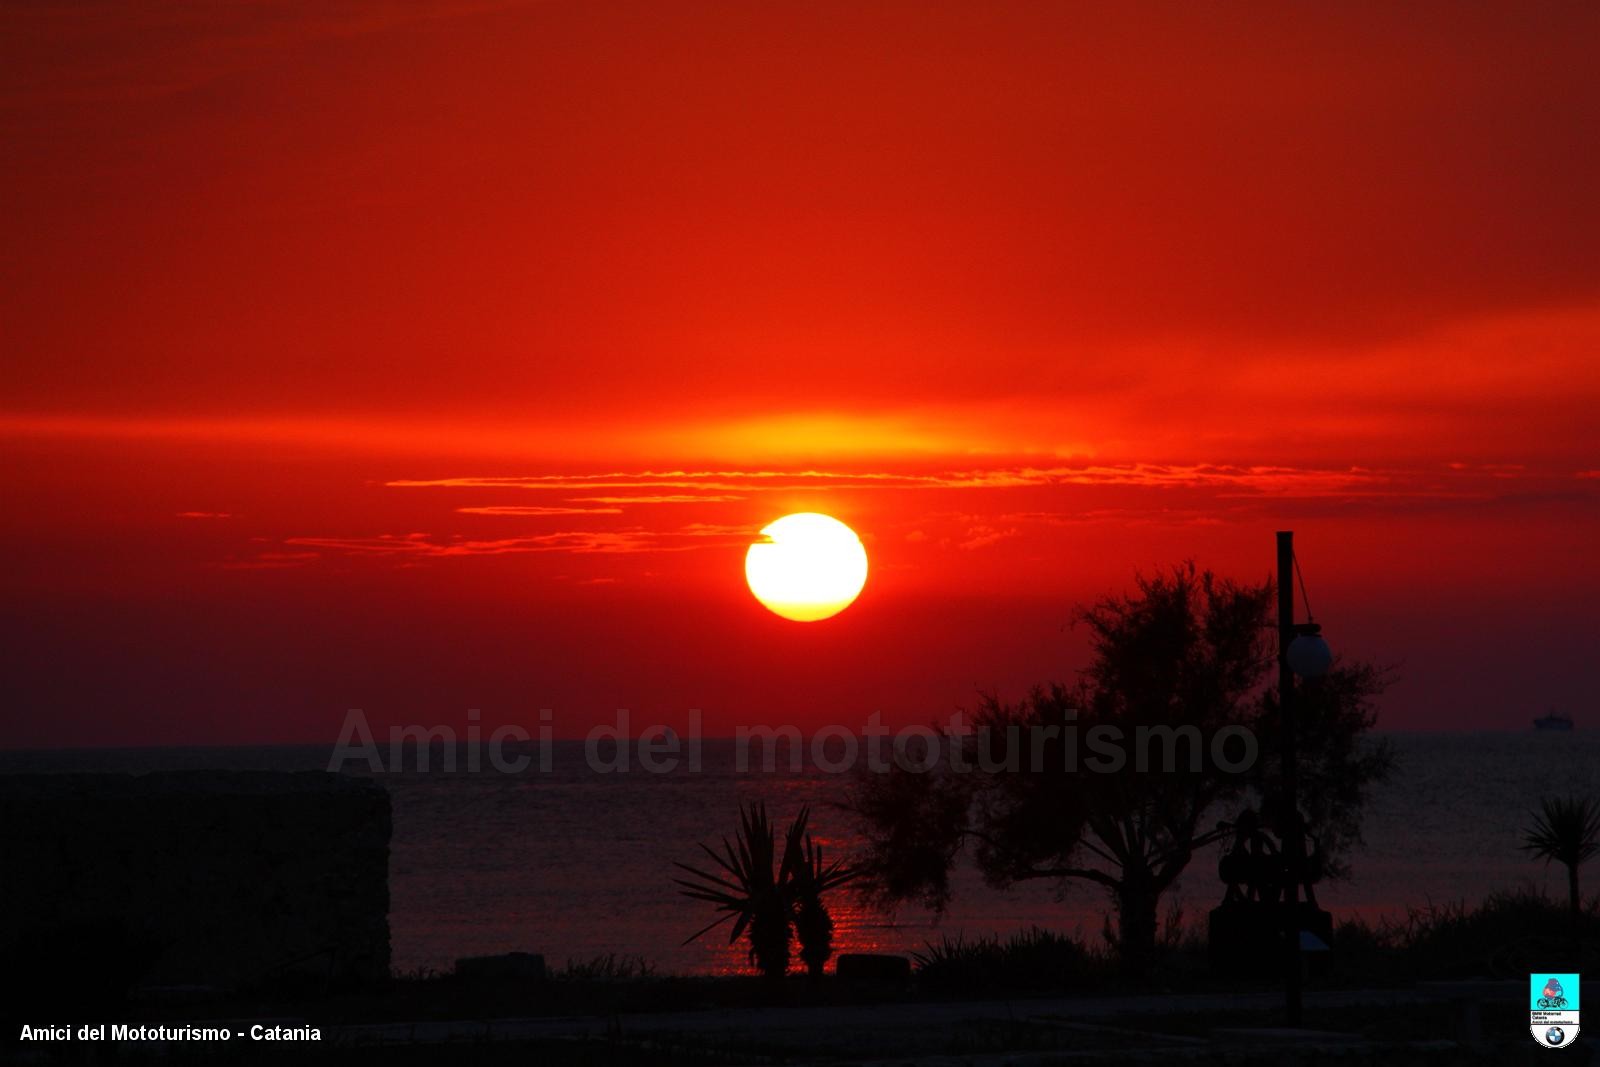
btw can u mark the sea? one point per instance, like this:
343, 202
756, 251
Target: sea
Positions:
576, 863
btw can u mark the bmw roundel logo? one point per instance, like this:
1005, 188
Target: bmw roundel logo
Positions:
1555, 1035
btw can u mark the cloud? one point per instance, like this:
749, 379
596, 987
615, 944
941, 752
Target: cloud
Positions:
535, 509
984, 535
660, 498
1280, 481
1152, 495
609, 542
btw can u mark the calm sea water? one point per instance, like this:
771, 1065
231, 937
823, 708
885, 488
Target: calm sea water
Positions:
574, 864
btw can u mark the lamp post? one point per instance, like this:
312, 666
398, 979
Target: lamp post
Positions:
1302, 651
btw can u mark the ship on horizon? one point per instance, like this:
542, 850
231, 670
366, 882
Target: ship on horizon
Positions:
1558, 721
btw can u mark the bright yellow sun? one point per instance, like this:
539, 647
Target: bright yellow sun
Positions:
806, 567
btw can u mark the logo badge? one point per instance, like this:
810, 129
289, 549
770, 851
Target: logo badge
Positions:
1553, 1008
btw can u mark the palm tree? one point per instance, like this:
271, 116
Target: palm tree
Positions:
746, 889
807, 878
1566, 830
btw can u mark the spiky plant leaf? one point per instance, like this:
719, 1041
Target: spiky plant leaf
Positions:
1566, 830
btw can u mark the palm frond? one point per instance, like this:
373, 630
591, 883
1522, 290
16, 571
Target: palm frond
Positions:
740, 880
706, 929
1565, 829
768, 894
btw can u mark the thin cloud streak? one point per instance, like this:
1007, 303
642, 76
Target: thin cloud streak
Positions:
610, 542
663, 498
535, 509
1289, 482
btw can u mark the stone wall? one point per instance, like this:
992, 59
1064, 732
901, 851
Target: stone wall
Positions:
209, 878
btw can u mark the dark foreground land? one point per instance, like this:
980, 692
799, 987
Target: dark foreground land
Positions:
746, 1021
179, 942
1447, 986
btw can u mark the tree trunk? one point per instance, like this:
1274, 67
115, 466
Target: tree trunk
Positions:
1575, 899
1136, 899
814, 929
769, 941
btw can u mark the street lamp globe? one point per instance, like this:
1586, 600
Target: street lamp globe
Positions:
1309, 656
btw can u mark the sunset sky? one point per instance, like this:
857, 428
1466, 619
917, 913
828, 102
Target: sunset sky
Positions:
444, 356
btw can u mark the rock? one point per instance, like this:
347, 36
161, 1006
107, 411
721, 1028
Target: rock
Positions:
522, 966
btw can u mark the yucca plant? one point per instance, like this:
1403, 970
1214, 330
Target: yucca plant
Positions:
1566, 830
808, 878
748, 890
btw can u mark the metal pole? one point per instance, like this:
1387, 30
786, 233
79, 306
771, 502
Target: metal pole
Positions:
1293, 836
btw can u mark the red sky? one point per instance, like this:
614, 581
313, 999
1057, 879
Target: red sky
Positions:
448, 356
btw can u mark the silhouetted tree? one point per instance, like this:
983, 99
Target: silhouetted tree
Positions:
749, 890
1053, 787
1566, 830
766, 897
1339, 762
807, 878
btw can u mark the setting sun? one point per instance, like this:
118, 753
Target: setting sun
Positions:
808, 567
